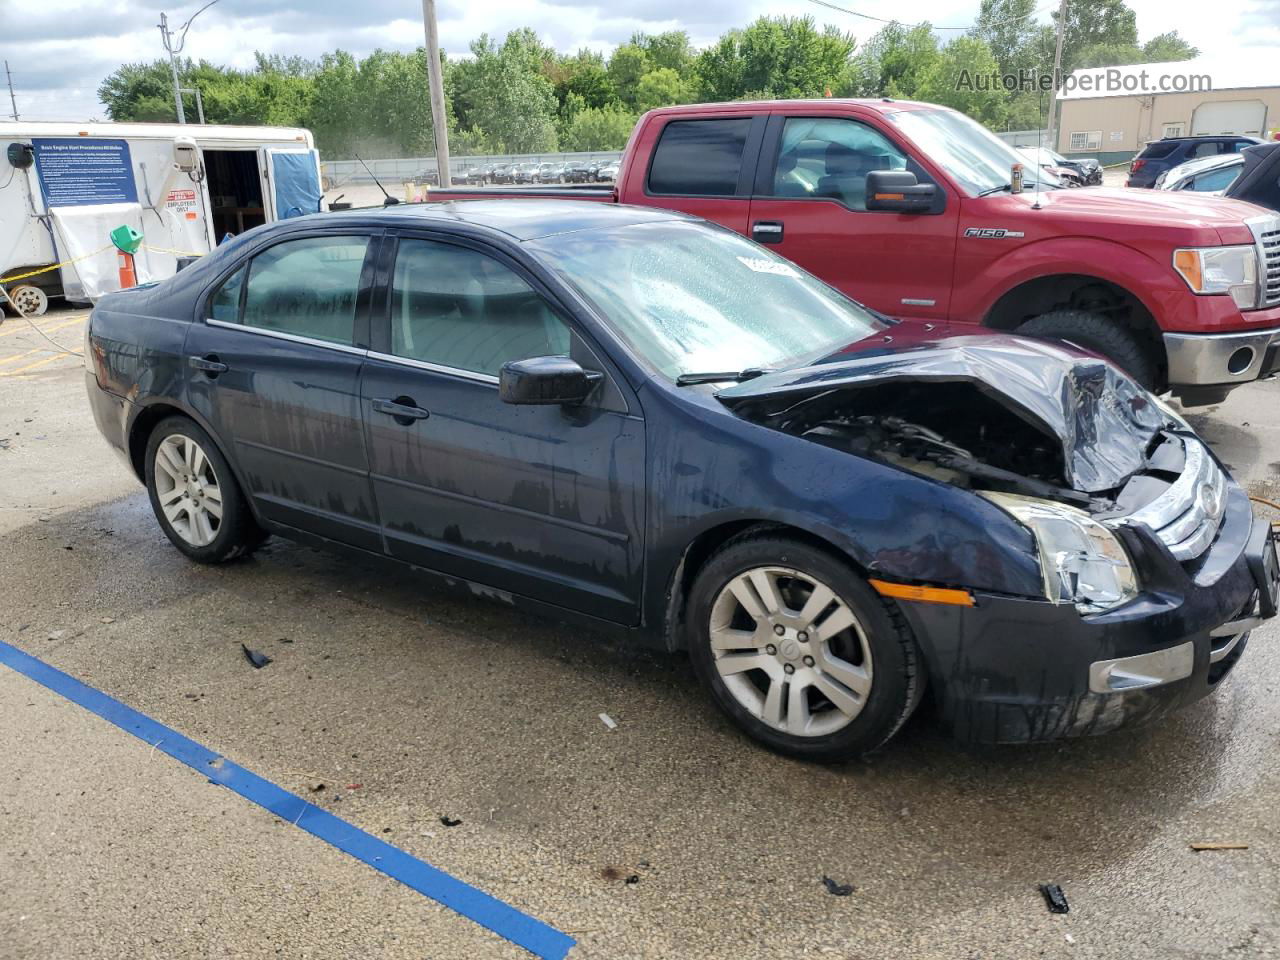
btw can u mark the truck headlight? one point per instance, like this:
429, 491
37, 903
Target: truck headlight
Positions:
1081, 560
1231, 270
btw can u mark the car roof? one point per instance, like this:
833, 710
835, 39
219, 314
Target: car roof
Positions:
517, 217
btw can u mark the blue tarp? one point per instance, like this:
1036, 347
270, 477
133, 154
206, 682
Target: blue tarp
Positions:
297, 184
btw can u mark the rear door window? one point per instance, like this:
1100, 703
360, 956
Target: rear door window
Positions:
1210, 149
1159, 149
699, 158
306, 288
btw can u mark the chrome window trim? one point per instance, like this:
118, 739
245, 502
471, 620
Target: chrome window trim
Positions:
434, 367
291, 337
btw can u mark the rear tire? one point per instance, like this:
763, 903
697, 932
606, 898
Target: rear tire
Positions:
195, 496
1097, 333
798, 651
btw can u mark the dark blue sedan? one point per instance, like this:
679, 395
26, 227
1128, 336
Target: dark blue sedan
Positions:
649, 424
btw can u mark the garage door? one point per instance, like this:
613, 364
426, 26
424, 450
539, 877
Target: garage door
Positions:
1230, 116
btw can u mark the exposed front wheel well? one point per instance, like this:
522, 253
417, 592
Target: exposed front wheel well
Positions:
701, 550
1082, 293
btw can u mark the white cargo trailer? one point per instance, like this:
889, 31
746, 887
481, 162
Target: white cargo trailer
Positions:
65, 186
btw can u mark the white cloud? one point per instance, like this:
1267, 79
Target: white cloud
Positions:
64, 48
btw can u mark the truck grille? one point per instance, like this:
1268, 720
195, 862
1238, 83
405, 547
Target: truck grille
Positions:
1269, 242
1186, 517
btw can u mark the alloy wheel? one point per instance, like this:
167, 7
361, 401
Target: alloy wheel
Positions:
791, 651
188, 490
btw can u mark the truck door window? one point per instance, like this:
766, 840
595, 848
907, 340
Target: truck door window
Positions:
459, 308
699, 158
831, 157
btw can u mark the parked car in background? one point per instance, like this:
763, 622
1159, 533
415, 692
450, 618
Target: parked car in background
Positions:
1044, 161
480, 175
1259, 182
831, 513
525, 172
1176, 288
501, 173
578, 171
1086, 169
1203, 175
551, 173
607, 172
1161, 155
430, 177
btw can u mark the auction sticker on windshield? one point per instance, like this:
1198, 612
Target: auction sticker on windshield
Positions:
761, 265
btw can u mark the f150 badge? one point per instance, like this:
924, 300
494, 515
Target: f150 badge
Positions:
992, 233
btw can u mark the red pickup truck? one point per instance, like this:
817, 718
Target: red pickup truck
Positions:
909, 208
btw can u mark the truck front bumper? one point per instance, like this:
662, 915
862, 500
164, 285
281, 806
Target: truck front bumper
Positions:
1010, 670
1212, 359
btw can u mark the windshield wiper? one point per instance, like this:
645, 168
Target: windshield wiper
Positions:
689, 379
987, 193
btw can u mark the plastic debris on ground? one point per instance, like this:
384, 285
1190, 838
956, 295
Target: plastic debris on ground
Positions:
256, 660
837, 889
1054, 898
608, 721
1219, 846
449, 821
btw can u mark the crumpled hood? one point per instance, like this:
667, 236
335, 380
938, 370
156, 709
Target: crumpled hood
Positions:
1103, 419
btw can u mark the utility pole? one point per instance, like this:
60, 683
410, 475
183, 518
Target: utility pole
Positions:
12, 102
1057, 71
439, 119
173, 50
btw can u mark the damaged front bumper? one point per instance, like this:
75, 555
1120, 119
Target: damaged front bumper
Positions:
1013, 670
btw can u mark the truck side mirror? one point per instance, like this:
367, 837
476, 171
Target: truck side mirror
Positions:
899, 191
546, 380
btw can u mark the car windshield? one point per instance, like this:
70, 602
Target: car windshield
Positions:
974, 156
693, 298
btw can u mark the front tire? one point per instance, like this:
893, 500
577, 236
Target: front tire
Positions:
194, 494
798, 651
1101, 335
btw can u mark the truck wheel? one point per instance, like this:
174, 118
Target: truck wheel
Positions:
1095, 332
28, 300
798, 651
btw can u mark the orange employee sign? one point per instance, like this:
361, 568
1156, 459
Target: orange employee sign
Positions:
182, 203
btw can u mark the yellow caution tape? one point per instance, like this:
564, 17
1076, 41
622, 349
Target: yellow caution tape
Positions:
64, 263
176, 253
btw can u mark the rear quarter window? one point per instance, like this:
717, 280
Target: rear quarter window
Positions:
1156, 150
699, 157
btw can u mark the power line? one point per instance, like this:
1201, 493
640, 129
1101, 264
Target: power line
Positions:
867, 16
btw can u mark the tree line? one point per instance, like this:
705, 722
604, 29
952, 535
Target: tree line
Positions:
521, 96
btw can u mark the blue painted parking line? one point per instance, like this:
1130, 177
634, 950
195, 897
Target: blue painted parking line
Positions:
476, 905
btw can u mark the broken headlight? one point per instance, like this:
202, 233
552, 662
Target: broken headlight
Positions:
1081, 560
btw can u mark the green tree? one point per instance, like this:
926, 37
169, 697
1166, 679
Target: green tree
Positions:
1106, 24
671, 50
783, 57
503, 93
1168, 48
627, 66
660, 88
966, 56
895, 62
604, 128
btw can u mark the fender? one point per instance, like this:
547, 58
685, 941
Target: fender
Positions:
1152, 284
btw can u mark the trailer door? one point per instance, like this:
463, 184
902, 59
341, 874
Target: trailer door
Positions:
292, 178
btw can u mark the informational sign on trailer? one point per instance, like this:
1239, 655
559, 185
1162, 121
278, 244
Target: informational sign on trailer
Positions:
84, 172
182, 203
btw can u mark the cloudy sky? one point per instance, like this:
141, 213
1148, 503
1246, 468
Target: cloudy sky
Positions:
60, 50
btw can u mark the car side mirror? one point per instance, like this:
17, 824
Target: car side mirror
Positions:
899, 191
546, 380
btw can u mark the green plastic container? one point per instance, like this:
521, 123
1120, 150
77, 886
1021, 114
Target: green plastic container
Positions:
126, 239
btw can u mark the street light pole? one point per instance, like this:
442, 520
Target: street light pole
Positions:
439, 118
174, 49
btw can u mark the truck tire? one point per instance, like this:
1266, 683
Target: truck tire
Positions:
1092, 331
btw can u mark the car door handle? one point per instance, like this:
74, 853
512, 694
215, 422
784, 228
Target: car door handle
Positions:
404, 410
766, 231
210, 364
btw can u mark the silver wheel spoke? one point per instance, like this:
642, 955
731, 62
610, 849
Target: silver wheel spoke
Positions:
213, 509
745, 591
841, 698
797, 709
213, 492
767, 589
187, 490
772, 712
734, 663
198, 461
171, 496
841, 618
204, 532
174, 510
846, 673
727, 638
189, 455
818, 601
173, 459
